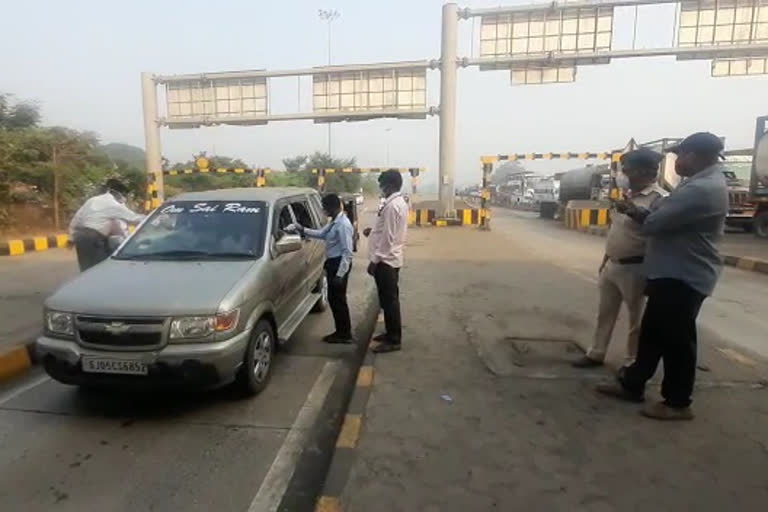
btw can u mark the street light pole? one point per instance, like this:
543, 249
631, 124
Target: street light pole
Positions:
448, 65
329, 15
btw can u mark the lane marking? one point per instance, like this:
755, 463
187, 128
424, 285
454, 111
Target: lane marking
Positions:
350, 431
7, 397
276, 481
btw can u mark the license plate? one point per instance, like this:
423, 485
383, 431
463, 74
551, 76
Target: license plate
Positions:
119, 366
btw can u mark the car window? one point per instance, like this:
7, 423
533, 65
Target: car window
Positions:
283, 220
303, 215
318, 207
197, 230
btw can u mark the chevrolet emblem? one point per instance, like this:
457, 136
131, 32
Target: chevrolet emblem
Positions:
116, 328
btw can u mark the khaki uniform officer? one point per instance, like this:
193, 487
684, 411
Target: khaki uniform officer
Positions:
622, 279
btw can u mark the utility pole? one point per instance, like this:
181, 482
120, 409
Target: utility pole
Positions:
448, 65
329, 15
387, 131
152, 132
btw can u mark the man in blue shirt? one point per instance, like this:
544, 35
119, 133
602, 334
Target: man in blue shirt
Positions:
682, 265
338, 236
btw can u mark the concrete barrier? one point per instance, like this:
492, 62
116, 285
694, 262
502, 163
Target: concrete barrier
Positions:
18, 247
581, 219
464, 217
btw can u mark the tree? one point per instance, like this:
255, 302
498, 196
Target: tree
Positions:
208, 181
295, 163
501, 175
337, 181
18, 115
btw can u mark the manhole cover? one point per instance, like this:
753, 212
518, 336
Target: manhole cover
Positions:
527, 352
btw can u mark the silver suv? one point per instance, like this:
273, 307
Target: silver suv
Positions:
199, 295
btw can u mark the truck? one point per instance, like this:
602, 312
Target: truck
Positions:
758, 186
740, 208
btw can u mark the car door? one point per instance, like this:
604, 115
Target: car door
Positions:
314, 250
288, 268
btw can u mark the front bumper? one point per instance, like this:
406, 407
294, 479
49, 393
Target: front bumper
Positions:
198, 365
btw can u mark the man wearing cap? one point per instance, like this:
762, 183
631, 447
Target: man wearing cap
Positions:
99, 218
622, 279
682, 265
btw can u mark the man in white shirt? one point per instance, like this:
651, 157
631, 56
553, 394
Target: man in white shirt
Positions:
385, 253
97, 220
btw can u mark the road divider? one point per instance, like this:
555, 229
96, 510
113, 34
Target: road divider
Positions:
742, 262
16, 360
348, 438
17, 247
582, 219
424, 217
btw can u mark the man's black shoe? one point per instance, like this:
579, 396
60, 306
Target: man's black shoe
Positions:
383, 348
336, 338
586, 362
381, 337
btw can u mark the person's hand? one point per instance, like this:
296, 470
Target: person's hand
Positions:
366, 232
294, 229
371, 269
624, 206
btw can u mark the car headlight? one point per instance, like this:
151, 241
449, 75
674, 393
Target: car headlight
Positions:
59, 323
192, 327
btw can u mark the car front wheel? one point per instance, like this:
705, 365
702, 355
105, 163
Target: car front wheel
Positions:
257, 365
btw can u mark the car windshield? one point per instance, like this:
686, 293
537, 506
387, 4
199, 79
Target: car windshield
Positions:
184, 230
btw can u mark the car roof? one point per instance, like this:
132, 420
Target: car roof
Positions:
266, 194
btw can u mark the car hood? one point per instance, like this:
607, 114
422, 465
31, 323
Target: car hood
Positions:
149, 288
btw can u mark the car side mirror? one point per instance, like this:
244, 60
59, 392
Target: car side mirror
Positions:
288, 243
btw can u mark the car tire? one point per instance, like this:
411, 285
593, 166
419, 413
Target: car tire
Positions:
322, 301
258, 360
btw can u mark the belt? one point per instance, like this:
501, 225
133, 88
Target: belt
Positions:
630, 260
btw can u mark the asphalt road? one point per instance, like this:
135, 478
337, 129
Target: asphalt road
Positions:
735, 314
25, 282
65, 449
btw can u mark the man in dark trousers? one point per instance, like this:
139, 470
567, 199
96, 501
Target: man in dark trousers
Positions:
338, 237
385, 253
682, 266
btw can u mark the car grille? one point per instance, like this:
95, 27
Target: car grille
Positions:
738, 198
121, 333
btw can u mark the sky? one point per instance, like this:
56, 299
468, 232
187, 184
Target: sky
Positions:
82, 59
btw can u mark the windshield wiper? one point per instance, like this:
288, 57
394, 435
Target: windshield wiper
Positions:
164, 254
187, 254
230, 255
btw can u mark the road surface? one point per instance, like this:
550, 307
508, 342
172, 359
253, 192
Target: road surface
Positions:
65, 449
735, 314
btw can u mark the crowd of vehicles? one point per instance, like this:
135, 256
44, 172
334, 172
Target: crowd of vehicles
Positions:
200, 295
746, 173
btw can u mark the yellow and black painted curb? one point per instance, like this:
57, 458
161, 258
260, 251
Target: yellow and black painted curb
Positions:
464, 217
33, 244
347, 442
582, 218
16, 360
748, 264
